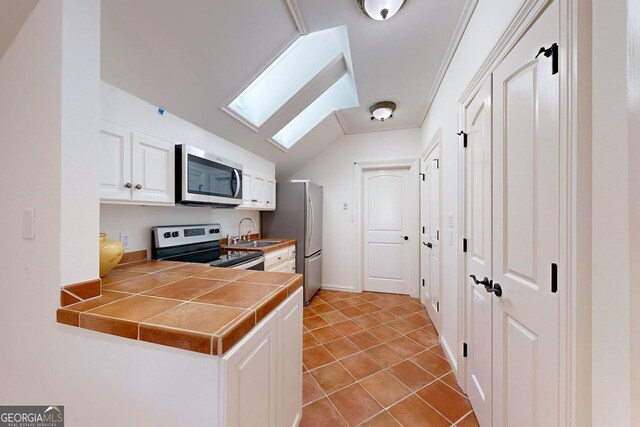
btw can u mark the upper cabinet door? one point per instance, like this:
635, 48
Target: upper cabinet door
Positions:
270, 194
247, 189
115, 161
153, 167
258, 188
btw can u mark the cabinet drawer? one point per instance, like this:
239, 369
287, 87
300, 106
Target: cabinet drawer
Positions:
290, 266
272, 259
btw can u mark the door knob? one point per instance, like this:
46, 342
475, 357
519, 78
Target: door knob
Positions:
486, 282
405, 237
495, 289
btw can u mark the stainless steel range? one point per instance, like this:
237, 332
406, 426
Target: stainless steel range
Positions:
199, 243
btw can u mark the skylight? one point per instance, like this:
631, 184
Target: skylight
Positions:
309, 57
342, 94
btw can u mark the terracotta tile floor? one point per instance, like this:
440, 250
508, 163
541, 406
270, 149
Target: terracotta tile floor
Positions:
374, 359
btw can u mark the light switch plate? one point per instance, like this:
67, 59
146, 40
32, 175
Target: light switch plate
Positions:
29, 224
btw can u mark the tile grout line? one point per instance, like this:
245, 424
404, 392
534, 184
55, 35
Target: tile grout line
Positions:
381, 342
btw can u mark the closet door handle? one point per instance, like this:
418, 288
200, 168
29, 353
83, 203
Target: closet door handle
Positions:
486, 282
495, 289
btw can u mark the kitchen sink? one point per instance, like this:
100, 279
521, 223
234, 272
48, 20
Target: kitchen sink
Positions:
257, 243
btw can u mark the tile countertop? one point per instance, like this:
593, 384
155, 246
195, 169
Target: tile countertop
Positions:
195, 307
282, 243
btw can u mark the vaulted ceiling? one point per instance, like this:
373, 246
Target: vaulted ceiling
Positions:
13, 15
192, 57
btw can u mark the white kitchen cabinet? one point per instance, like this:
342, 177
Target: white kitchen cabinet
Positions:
280, 260
135, 168
250, 370
261, 376
247, 193
115, 161
289, 379
270, 194
258, 193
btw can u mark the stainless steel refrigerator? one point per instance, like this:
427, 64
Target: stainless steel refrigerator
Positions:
298, 215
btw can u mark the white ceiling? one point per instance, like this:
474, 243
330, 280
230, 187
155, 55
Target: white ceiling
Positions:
13, 14
192, 57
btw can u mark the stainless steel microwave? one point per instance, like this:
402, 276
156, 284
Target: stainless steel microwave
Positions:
205, 179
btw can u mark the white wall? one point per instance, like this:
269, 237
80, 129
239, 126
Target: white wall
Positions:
474, 47
611, 239
80, 92
334, 170
101, 379
633, 76
125, 109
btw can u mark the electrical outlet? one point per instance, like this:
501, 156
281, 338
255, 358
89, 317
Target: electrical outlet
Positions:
125, 239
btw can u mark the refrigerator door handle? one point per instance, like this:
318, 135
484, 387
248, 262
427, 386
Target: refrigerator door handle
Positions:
312, 219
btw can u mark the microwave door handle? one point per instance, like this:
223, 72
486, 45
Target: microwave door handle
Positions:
235, 195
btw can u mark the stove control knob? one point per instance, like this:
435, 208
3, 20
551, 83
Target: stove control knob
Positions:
217, 230
167, 235
175, 234
212, 230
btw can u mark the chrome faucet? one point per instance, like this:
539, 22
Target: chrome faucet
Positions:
240, 223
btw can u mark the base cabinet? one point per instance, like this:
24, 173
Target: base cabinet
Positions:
261, 377
281, 261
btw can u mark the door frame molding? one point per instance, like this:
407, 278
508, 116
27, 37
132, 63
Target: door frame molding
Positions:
434, 144
570, 37
358, 169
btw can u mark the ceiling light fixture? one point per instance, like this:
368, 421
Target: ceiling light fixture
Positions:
381, 10
382, 110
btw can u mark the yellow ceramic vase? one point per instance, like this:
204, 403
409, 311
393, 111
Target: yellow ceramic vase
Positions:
111, 252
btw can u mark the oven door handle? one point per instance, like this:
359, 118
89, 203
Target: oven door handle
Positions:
169, 258
248, 264
235, 171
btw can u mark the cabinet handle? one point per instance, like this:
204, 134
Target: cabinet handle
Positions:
138, 187
127, 185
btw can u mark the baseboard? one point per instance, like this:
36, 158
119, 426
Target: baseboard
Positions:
338, 288
450, 356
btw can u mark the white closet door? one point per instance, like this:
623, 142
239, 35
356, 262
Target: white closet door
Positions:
526, 231
387, 254
478, 258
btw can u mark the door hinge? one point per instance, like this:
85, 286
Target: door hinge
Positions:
423, 282
464, 245
464, 138
437, 234
422, 175
437, 163
554, 278
553, 53
423, 229
464, 349
438, 306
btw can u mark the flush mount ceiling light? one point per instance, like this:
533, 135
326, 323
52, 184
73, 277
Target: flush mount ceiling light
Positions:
381, 10
382, 110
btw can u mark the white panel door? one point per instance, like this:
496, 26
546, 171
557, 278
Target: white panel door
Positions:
478, 259
115, 162
153, 167
386, 231
431, 242
526, 231
290, 360
250, 389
